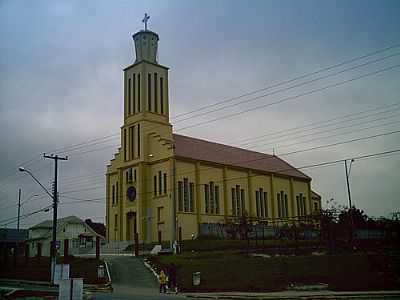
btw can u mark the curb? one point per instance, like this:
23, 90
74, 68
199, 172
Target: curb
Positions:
27, 282
333, 295
150, 268
92, 287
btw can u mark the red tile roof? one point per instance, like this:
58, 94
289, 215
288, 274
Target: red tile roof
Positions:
193, 148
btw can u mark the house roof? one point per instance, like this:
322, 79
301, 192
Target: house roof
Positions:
60, 222
193, 148
48, 224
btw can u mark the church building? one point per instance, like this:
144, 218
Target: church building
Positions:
163, 186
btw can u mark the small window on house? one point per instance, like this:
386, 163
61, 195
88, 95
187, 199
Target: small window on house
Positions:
113, 195
162, 95
258, 203
155, 93
242, 202
211, 197
185, 194
130, 178
159, 183
155, 185
216, 198
266, 204
233, 201
191, 197
165, 183
160, 214
149, 91
116, 192
206, 197
286, 206
180, 195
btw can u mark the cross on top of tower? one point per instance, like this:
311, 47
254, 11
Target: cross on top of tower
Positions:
145, 19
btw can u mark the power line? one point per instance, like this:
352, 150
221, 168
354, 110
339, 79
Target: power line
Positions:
291, 98
298, 129
14, 219
330, 136
290, 87
81, 190
293, 79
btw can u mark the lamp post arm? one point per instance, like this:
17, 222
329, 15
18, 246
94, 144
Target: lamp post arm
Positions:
38, 182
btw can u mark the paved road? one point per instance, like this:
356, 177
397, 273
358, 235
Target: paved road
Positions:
131, 280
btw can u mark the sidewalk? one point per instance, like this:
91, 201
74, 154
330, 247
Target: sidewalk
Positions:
296, 295
46, 286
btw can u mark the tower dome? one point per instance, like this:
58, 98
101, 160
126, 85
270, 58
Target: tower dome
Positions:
146, 46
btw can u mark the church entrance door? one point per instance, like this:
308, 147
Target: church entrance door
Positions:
131, 225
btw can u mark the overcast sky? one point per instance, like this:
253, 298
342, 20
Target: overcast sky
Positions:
61, 84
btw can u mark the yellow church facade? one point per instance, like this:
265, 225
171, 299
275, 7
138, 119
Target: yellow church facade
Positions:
163, 185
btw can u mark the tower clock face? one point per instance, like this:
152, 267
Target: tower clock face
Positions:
131, 193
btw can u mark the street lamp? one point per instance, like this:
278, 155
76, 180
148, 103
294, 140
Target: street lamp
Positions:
22, 169
53, 245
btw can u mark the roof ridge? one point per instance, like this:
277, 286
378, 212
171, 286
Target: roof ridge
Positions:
225, 145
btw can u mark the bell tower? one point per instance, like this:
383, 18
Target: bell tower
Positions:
146, 103
146, 81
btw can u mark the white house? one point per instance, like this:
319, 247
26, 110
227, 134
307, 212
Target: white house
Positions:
82, 238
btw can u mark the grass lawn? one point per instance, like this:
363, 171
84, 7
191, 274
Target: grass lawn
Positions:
236, 271
39, 269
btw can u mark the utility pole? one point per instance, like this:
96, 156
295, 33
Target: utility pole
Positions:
19, 207
349, 196
348, 184
56, 158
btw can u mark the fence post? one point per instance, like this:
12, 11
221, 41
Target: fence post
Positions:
159, 237
6, 255
39, 250
15, 253
180, 240
97, 247
136, 247
26, 253
66, 248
